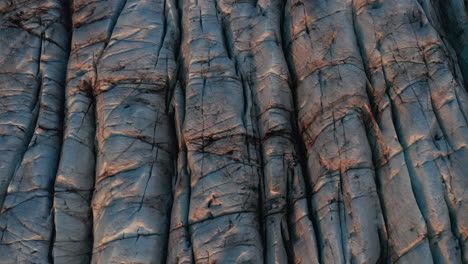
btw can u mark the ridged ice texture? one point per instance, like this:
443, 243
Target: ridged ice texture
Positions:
233, 131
